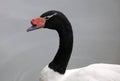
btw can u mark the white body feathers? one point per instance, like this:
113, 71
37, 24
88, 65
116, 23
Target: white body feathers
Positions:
94, 72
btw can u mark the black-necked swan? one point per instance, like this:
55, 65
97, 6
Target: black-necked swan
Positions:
56, 69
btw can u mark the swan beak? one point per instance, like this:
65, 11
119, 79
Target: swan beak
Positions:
31, 28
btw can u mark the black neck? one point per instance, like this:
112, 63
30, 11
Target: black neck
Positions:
60, 62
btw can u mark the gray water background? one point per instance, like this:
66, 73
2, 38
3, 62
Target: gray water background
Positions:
96, 26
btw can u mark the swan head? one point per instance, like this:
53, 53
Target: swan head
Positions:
44, 21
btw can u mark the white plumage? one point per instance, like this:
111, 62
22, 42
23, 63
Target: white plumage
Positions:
94, 72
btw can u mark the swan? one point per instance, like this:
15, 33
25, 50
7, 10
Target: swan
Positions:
56, 69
